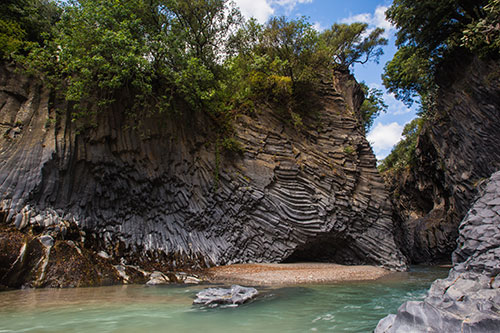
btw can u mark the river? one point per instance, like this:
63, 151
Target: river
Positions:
341, 307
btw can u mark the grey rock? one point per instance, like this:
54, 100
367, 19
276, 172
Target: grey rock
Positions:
157, 278
468, 300
151, 194
235, 295
46, 240
455, 151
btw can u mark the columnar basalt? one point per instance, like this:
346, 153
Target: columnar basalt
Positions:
457, 148
165, 192
468, 300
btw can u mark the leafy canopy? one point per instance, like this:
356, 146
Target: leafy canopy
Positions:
347, 44
372, 106
178, 55
428, 31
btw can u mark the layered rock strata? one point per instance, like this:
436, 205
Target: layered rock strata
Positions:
165, 192
468, 300
457, 148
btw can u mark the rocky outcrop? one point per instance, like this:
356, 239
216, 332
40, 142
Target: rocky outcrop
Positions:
161, 192
469, 299
457, 148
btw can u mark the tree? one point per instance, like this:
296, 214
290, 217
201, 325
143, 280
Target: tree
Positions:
409, 74
483, 35
205, 26
149, 54
428, 31
294, 42
431, 24
24, 23
403, 154
347, 44
372, 105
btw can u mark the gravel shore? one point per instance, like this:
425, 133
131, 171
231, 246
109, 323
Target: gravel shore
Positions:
296, 273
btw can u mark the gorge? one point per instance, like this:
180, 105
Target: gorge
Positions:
149, 142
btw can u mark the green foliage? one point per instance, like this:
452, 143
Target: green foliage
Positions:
372, 105
349, 150
231, 145
294, 43
409, 74
428, 32
346, 44
150, 55
12, 38
24, 23
403, 154
483, 35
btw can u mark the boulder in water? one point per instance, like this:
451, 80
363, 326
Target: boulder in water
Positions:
231, 296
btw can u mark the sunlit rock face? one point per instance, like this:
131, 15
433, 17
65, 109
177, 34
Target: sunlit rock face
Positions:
458, 147
163, 190
469, 299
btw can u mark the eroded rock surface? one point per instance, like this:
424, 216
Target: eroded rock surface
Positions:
164, 194
457, 148
469, 299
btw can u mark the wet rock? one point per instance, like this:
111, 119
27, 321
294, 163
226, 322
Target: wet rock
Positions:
30, 261
235, 295
192, 280
46, 240
157, 278
468, 300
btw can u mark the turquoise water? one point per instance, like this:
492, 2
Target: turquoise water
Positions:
342, 307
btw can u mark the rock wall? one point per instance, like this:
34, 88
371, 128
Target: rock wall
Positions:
469, 299
164, 192
457, 148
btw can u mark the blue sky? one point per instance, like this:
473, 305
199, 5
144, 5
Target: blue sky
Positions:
387, 128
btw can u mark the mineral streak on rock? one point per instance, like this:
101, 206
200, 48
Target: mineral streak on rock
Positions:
457, 148
160, 193
469, 299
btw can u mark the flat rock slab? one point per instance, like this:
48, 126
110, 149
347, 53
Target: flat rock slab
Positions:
297, 273
234, 296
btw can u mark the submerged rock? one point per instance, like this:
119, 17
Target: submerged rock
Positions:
468, 300
235, 295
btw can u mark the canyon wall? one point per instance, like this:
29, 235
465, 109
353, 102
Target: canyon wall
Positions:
162, 193
468, 299
456, 149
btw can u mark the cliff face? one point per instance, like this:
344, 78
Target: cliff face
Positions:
150, 196
468, 299
457, 148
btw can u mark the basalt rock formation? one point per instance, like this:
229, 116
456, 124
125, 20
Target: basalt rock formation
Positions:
469, 299
165, 196
457, 148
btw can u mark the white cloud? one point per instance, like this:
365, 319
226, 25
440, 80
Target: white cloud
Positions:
384, 137
318, 27
394, 106
261, 10
374, 20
